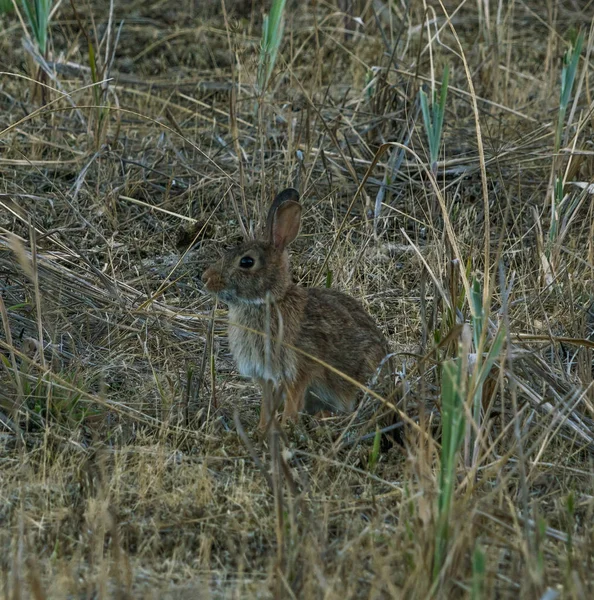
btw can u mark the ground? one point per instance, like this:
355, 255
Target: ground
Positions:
145, 144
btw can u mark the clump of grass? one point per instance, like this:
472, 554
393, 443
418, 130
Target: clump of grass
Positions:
483, 364
99, 70
458, 389
99, 95
568, 72
38, 17
272, 35
433, 115
453, 386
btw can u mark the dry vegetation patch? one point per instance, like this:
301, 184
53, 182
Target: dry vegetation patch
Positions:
139, 145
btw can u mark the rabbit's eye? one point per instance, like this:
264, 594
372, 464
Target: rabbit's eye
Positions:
246, 262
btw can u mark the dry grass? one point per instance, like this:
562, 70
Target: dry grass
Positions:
124, 473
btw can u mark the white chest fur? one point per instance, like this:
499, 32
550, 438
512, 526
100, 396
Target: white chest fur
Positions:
250, 345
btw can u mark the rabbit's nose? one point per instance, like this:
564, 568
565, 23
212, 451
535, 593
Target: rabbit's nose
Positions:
207, 275
212, 280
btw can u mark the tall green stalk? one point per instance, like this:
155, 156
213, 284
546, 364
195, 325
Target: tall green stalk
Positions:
453, 423
272, 35
38, 16
460, 389
433, 117
568, 72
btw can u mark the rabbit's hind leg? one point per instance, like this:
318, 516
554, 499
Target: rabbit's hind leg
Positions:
274, 396
295, 399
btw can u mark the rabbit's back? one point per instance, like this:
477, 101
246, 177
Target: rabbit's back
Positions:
337, 329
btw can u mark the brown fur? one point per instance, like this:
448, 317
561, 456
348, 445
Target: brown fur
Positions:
322, 323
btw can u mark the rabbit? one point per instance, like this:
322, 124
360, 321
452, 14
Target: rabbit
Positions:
304, 323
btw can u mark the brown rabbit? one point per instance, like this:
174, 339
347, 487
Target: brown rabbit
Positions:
322, 323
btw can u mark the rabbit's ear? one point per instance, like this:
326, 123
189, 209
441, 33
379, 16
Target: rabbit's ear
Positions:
284, 218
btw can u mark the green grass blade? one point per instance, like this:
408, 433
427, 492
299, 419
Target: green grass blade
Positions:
38, 14
440, 110
426, 117
443, 93
478, 573
92, 62
568, 73
476, 297
272, 33
570, 63
5, 7
262, 65
433, 117
492, 356
27, 8
453, 424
